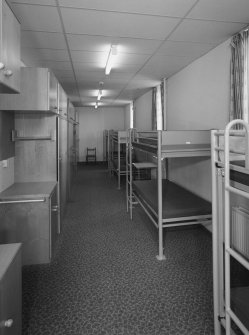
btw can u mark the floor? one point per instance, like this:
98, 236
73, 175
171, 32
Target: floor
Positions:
105, 278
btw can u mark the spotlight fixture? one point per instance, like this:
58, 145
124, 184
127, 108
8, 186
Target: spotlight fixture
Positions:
112, 54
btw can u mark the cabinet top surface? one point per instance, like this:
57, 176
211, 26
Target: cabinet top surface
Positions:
28, 190
7, 254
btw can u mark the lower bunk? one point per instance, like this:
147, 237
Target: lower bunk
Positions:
180, 207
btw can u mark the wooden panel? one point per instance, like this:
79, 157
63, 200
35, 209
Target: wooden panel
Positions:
29, 224
7, 147
10, 50
11, 296
33, 93
35, 160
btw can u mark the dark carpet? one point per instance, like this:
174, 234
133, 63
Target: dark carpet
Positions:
105, 278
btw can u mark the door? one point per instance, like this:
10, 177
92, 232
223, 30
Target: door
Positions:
62, 151
11, 299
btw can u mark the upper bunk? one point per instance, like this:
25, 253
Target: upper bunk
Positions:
173, 143
236, 142
119, 136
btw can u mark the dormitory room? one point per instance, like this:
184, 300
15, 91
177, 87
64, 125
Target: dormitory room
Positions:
124, 167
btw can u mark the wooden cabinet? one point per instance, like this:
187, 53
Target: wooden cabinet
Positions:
39, 92
30, 216
10, 290
62, 152
9, 50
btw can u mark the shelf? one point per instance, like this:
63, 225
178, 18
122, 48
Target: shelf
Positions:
15, 137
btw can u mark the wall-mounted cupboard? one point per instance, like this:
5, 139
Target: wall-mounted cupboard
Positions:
38, 92
9, 50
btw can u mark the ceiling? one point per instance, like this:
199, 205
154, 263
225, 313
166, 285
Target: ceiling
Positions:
155, 39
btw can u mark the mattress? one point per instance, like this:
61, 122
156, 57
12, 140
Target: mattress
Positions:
177, 201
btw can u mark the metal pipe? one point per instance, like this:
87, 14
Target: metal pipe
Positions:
159, 196
215, 236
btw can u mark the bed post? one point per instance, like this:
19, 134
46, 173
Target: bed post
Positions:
215, 236
160, 255
119, 160
131, 138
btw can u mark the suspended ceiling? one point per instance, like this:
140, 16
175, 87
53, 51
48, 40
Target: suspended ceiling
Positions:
155, 40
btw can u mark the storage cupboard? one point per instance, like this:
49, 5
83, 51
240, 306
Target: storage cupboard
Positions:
30, 216
9, 50
10, 289
38, 92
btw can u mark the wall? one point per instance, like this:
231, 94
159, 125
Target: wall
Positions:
143, 112
127, 117
198, 98
93, 123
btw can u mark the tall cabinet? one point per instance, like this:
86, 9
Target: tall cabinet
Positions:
40, 136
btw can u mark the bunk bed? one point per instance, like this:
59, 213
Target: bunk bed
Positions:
117, 153
230, 194
166, 203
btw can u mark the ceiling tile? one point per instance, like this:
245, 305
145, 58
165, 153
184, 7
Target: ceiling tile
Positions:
56, 65
163, 66
176, 8
36, 2
39, 18
103, 43
222, 10
48, 54
171, 48
205, 31
90, 57
44, 40
78, 21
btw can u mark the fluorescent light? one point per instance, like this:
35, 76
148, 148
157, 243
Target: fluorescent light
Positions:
112, 54
99, 95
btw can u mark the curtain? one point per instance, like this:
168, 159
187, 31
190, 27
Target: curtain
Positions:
162, 86
154, 109
239, 77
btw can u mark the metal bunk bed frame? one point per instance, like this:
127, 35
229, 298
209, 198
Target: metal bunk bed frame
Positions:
155, 142
119, 138
223, 313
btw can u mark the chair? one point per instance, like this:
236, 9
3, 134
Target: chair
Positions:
91, 155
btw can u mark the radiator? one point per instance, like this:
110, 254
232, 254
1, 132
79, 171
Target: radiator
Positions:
240, 231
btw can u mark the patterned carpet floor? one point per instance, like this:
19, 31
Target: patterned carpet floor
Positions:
105, 278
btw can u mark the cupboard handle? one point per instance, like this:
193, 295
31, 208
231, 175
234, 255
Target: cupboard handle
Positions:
8, 323
8, 73
2, 66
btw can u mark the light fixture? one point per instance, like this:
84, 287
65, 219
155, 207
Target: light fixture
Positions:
100, 90
112, 54
96, 105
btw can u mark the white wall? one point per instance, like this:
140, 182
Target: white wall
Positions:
198, 98
92, 124
127, 117
143, 112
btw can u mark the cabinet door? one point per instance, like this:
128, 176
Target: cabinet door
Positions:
10, 51
52, 93
11, 299
54, 222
